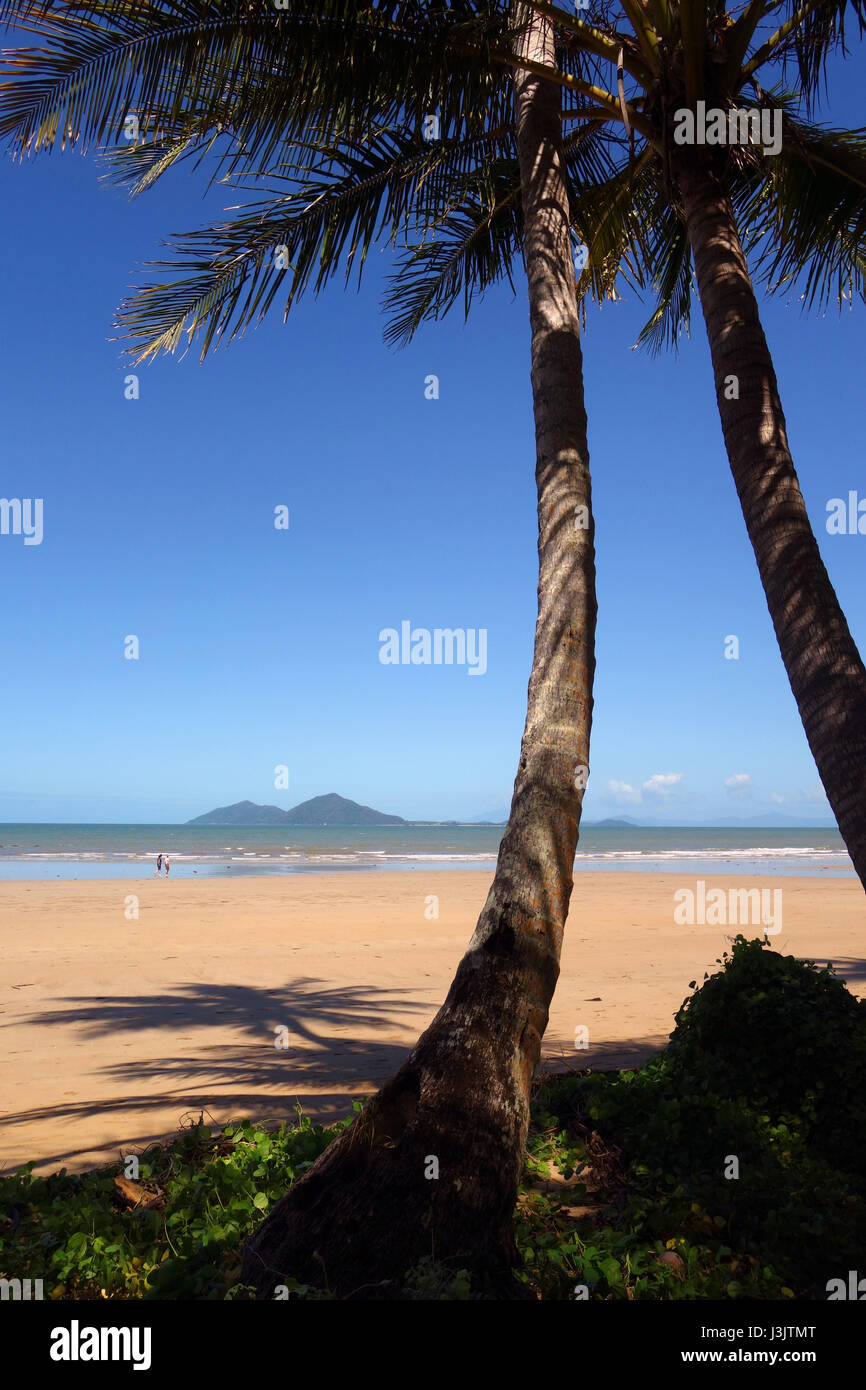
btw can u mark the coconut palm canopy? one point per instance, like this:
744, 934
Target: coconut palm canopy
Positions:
358, 123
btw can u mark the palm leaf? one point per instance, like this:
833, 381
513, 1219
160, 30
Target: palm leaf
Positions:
473, 247
673, 280
261, 73
478, 239
326, 210
809, 32
805, 222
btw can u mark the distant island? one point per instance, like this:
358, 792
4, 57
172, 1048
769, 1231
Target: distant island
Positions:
336, 810
612, 823
319, 810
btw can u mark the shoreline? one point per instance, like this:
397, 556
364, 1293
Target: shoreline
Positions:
93, 852
116, 1025
17, 871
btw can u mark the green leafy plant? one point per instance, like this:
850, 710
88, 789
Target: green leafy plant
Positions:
624, 1194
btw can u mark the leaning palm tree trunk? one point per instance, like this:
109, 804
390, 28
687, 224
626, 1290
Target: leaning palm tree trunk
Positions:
824, 668
369, 1209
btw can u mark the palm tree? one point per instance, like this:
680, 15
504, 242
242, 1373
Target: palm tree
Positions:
802, 213
823, 664
322, 104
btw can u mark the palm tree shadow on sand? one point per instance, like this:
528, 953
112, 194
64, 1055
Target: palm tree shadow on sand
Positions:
334, 1054
340, 1044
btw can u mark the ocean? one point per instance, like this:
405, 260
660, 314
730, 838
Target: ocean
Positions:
213, 851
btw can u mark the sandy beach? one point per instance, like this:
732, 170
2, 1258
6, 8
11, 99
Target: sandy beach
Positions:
118, 1028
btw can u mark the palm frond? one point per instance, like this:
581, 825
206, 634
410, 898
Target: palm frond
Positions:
241, 65
671, 256
603, 215
478, 239
137, 167
327, 207
634, 233
804, 221
809, 32
473, 247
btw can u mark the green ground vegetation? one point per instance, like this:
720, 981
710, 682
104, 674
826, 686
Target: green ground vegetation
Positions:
732, 1165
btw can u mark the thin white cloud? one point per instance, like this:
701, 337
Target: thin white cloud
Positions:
815, 796
662, 783
621, 791
740, 784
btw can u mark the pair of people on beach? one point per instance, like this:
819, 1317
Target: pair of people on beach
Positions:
162, 860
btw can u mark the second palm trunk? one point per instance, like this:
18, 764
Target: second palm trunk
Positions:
824, 667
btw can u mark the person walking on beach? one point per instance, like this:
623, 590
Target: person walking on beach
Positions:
167, 864
159, 865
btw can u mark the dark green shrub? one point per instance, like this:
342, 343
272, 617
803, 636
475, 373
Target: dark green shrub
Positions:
786, 1037
765, 1065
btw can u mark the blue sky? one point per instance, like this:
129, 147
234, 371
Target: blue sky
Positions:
259, 647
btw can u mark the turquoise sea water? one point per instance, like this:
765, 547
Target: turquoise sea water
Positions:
129, 851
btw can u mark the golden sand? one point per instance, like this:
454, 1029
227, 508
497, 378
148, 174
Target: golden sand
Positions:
115, 1029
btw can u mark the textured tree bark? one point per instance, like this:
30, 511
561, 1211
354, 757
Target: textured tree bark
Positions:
366, 1212
824, 667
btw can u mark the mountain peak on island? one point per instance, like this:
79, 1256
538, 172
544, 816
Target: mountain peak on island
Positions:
330, 809
614, 823
333, 809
